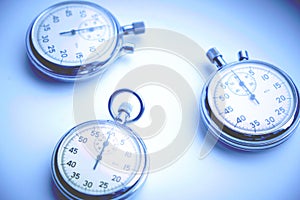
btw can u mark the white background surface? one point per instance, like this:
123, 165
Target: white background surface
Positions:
35, 113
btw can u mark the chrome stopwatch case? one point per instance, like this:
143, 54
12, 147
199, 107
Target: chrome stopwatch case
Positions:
76, 40
250, 104
101, 159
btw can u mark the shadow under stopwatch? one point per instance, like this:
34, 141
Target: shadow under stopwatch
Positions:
37, 75
210, 143
55, 192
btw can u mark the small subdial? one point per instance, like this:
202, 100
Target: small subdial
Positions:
238, 81
99, 144
92, 29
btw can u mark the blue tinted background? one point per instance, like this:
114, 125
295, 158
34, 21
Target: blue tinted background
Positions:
35, 113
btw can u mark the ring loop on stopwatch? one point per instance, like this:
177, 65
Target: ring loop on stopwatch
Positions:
75, 40
125, 107
250, 104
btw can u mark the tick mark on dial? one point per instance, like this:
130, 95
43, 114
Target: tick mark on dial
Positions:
266, 91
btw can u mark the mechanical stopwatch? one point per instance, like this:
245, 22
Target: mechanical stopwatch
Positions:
249, 104
101, 159
76, 40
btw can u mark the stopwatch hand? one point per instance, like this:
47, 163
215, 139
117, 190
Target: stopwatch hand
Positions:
252, 96
97, 161
68, 33
245, 88
99, 157
74, 31
90, 29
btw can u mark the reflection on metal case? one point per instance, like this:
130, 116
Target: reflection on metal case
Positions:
250, 104
102, 159
76, 40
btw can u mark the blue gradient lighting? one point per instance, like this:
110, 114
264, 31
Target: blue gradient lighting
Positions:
36, 112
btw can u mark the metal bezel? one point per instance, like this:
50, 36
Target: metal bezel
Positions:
63, 73
218, 132
136, 182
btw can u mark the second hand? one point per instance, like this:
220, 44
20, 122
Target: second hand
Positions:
74, 31
99, 157
242, 84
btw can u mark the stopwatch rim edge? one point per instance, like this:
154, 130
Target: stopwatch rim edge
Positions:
245, 145
65, 77
129, 191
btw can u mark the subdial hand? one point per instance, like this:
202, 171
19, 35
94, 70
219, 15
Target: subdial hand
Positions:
99, 157
245, 88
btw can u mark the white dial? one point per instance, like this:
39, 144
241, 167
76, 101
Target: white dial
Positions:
249, 105
251, 98
75, 40
98, 159
72, 34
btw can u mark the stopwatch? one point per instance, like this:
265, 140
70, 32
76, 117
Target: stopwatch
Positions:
249, 104
101, 159
76, 40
